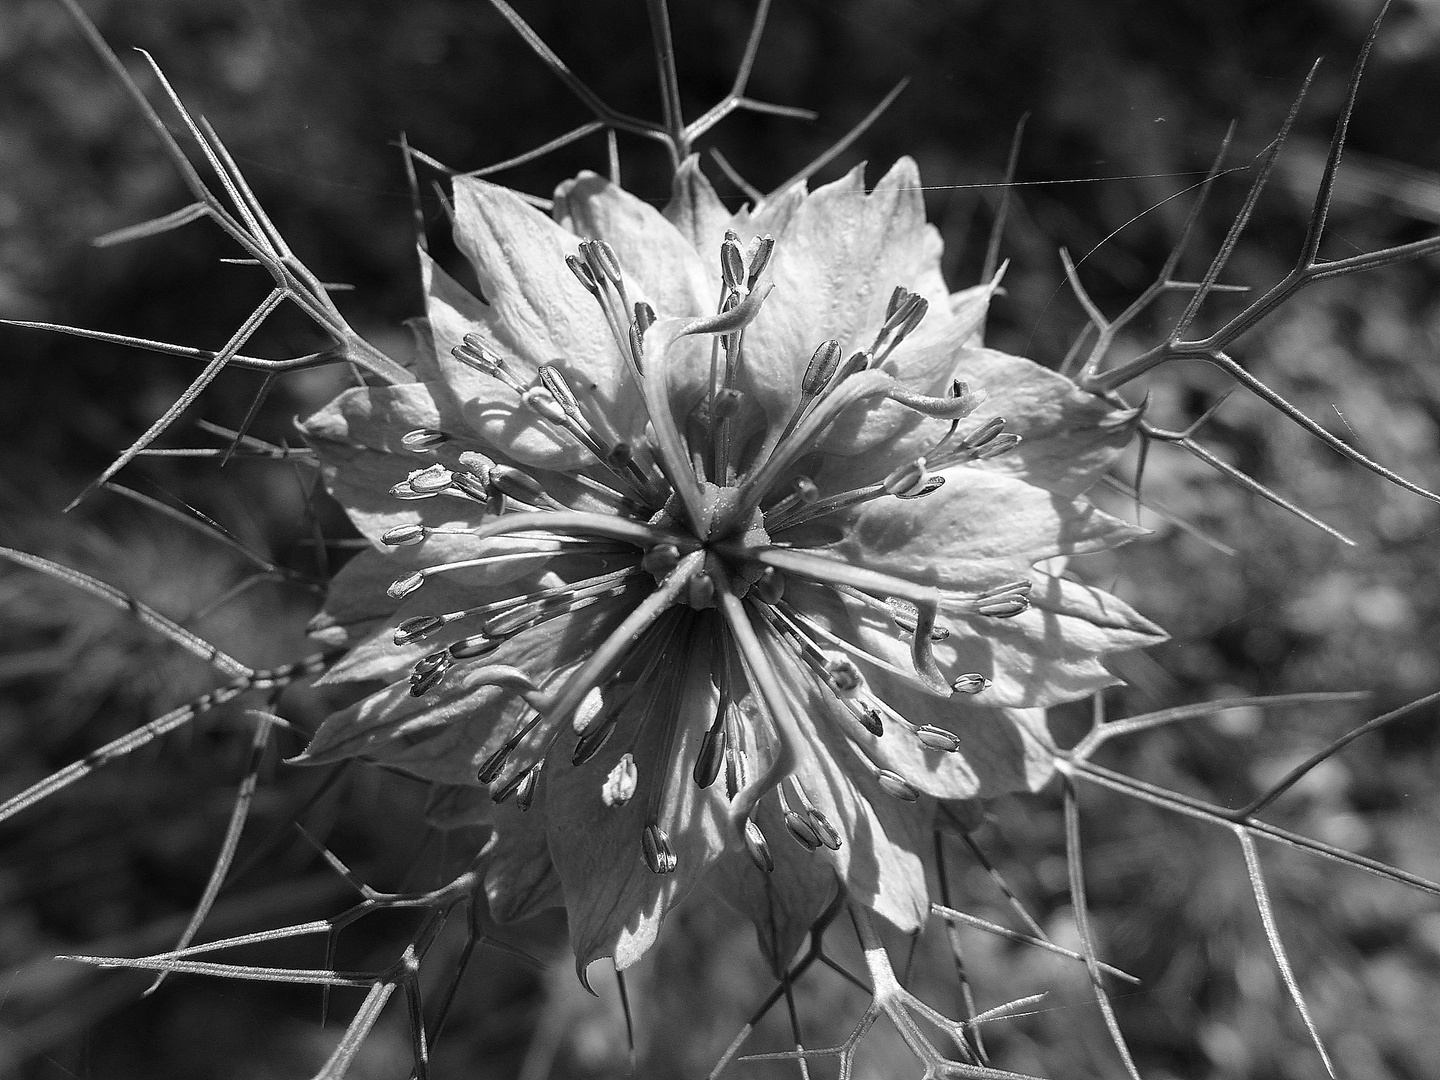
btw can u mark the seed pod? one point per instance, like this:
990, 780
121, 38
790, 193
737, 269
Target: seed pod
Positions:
757, 847
656, 847
895, 786
801, 830
404, 535
934, 738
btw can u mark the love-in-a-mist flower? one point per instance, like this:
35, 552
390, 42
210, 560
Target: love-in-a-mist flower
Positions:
705, 549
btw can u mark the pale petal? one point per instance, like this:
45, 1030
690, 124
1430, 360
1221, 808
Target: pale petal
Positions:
520, 877
783, 904
694, 208
537, 313
840, 256
448, 733
615, 902
978, 531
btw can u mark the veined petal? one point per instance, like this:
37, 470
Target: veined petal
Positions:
447, 734
520, 876
835, 266
694, 209
979, 530
783, 904
615, 902
538, 313
881, 859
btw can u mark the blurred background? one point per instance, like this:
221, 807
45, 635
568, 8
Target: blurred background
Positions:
1128, 103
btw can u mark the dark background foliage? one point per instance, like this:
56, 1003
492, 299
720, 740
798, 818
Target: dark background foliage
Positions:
1128, 103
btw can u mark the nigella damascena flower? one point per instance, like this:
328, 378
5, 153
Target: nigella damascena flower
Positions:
705, 548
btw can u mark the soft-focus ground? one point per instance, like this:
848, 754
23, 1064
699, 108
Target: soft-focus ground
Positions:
1129, 101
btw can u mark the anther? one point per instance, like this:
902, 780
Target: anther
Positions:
770, 586
897, 297
475, 646
430, 481
868, 716
1001, 444
403, 490
935, 738
588, 711
660, 559
732, 262
644, 316
518, 485
422, 439
824, 830
983, 434
761, 248
1004, 601
417, 628
907, 479
656, 847
405, 586
601, 257
805, 494
427, 672
619, 786
821, 369
906, 617
404, 535
582, 272
929, 487
757, 847
970, 683
553, 380
493, 766
474, 353
525, 790
712, 751
590, 743
802, 830
895, 786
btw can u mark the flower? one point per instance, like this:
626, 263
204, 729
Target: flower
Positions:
706, 547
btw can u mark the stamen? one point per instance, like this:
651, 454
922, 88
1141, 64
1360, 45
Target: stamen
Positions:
938, 739
732, 263
619, 786
757, 847
417, 628
907, 479
712, 747
644, 317
656, 847
404, 535
805, 494
525, 790
1001, 602
816, 380
971, 683
429, 481
474, 353
423, 439
428, 671
475, 646
758, 258
895, 786
905, 616
801, 829
520, 486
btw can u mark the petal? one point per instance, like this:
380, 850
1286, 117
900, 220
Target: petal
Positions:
881, 857
978, 531
615, 902
447, 734
659, 263
835, 265
695, 210
520, 877
538, 313
1069, 437
786, 902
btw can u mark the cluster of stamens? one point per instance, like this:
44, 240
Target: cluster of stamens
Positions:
700, 575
